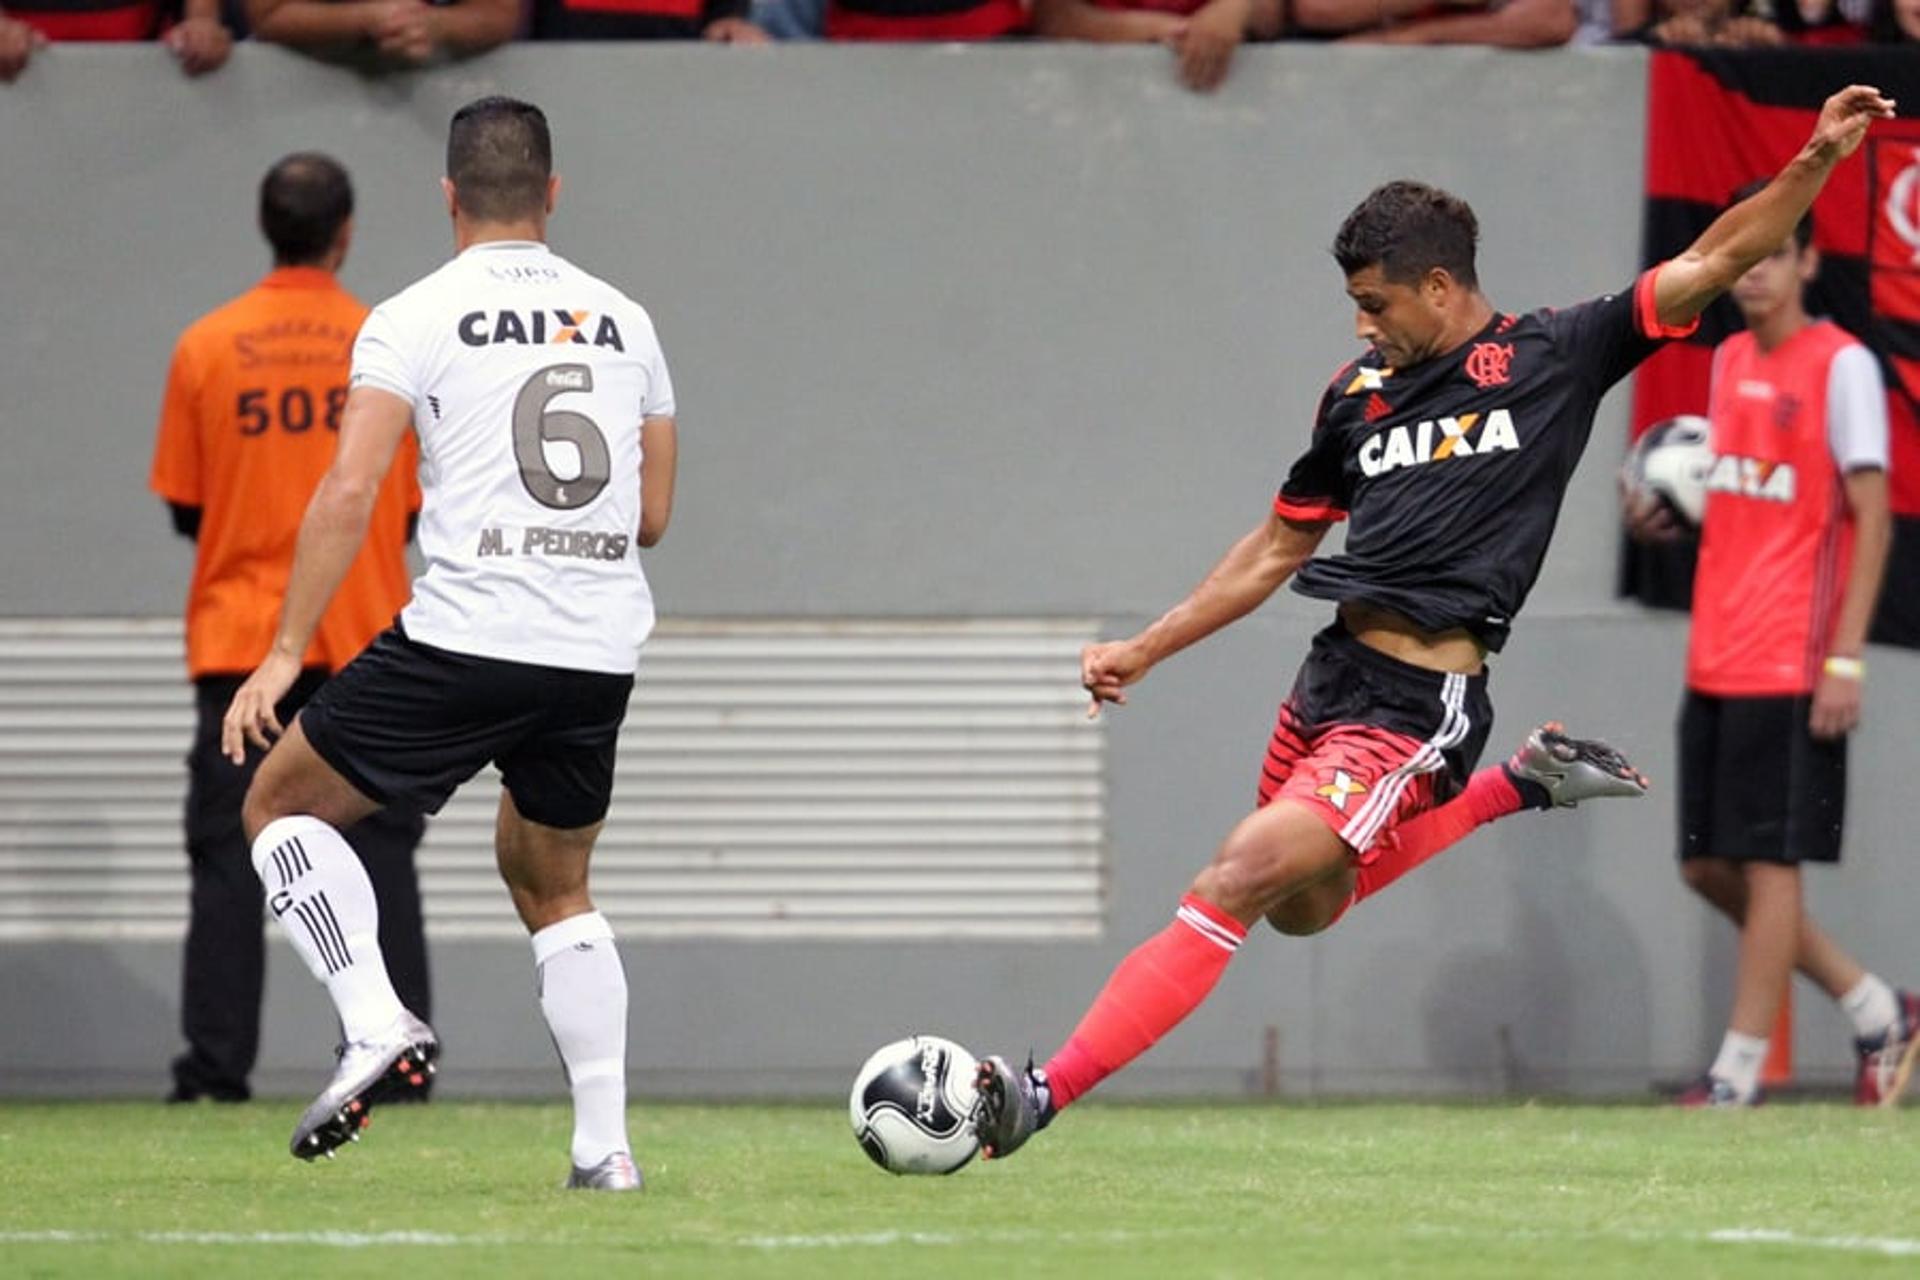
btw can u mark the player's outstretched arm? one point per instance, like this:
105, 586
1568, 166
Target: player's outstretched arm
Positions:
1253, 569
330, 536
1760, 224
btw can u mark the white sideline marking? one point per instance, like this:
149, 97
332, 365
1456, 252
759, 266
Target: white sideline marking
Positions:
328, 1239
849, 1240
1893, 1248
364, 1240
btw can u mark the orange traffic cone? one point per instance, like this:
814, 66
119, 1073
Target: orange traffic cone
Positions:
1778, 1068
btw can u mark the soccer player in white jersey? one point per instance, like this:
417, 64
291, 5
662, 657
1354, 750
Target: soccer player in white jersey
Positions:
545, 418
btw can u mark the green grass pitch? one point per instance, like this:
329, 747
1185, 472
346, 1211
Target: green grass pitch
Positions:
471, 1189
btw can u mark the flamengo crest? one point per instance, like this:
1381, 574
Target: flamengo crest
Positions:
1489, 363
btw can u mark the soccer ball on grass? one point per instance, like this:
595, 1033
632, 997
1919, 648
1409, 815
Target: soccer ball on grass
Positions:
912, 1106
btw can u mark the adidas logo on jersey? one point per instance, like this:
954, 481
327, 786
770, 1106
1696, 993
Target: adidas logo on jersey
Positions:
540, 328
1753, 478
1438, 438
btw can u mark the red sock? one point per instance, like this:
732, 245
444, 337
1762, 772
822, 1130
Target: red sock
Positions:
1162, 981
1490, 794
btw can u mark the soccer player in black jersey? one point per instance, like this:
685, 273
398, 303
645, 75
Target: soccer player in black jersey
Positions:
1449, 446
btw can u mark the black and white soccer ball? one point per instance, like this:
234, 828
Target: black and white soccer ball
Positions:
912, 1106
1670, 461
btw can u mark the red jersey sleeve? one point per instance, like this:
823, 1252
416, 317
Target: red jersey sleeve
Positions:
1647, 314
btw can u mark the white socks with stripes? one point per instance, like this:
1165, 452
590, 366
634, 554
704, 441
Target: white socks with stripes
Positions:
320, 894
583, 993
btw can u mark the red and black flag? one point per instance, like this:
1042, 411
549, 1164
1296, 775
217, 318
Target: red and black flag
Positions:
1718, 119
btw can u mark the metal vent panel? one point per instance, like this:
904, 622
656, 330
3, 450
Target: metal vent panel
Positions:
777, 780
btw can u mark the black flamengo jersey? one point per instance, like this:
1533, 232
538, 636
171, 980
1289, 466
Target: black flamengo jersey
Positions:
1453, 471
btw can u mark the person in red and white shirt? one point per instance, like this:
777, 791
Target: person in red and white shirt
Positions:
1793, 548
193, 31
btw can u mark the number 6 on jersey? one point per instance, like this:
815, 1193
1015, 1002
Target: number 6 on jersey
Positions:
534, 426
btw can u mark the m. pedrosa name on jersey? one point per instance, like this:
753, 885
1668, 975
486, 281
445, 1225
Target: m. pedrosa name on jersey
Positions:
540, 328
567, 544
1753, 478
1436, 439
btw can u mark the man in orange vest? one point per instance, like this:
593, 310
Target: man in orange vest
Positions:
252, 409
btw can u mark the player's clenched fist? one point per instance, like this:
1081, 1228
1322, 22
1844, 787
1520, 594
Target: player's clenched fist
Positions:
1106, 669
251, 717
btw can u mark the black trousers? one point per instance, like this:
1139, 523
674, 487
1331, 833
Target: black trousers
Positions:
225, 967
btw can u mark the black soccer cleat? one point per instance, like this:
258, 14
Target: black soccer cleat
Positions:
369, 1072
1012, 1106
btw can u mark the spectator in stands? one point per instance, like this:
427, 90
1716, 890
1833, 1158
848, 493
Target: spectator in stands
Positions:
720, 21
1593, 22
397, 32
1504, 24
1741, 24
1202, 34
1826, 22
1896, 21
200, 40
252, 408
919, 20
790, 19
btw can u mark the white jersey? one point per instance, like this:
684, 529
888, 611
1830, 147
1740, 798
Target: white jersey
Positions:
529, 379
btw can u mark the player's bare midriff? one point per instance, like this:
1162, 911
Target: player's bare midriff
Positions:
1393, 634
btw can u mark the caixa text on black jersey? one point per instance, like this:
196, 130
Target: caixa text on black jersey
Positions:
1435, 439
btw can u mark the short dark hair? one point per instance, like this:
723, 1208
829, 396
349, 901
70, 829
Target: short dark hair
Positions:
1802, 230
1409, 228
499, 158
304, 199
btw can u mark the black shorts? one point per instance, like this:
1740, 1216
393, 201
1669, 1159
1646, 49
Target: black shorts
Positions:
407, 723
1755, 784
1366, 741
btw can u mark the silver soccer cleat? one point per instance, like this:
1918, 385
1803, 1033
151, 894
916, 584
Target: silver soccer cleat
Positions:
617, 1172
369, 1072
1575, 769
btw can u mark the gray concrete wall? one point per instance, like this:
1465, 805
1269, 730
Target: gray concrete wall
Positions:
1021, 330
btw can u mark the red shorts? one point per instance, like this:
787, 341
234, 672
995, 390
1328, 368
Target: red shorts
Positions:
1366, 741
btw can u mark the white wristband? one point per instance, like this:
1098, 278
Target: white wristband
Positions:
1845, 668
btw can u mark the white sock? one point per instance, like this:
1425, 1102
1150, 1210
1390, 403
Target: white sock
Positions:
1873, 1007
320, 894
1739, 1061
583, 993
